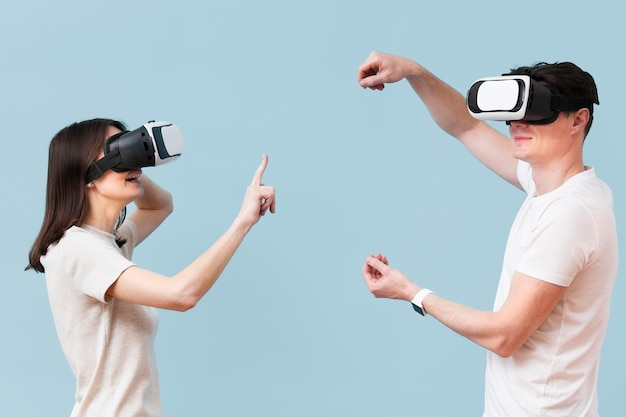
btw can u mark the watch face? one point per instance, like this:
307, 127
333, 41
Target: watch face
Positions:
418, 309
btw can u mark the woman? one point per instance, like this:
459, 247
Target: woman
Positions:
103, 304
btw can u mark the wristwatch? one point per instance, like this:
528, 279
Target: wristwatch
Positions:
417, 300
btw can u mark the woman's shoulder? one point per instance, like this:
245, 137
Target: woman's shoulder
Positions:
80, 240
128, 231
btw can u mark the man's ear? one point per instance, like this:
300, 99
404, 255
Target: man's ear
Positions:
579, 119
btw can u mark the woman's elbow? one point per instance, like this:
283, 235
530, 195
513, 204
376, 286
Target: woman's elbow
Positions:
169, 204
182, 298
184, 303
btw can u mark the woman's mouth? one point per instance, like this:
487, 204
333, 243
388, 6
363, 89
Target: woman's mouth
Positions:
134, 177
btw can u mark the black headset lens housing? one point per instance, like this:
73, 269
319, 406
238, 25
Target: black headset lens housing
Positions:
518, 97
152, 144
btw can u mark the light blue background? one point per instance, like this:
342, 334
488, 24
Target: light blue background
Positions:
290, 328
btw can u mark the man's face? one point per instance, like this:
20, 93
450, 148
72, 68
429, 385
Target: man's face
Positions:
543, 143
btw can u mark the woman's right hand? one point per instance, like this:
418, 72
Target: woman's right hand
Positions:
258, 198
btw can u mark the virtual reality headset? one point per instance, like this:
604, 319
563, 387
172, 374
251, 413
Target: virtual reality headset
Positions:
152, 144
518, 97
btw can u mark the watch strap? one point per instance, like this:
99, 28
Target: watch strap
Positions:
418, 299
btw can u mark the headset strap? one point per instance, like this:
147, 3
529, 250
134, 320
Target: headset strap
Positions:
98, 168
562, 103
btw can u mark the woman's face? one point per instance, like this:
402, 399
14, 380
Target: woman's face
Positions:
121, 187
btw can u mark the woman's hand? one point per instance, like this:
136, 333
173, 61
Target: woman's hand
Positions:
258, 198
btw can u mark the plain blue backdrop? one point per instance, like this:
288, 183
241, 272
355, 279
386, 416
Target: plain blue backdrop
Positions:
290, 328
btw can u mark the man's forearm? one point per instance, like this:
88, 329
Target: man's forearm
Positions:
445, 104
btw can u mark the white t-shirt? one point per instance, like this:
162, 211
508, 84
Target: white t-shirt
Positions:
109, 343
566, 237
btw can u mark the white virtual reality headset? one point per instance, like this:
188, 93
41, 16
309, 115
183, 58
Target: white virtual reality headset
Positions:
152, 144
518, 97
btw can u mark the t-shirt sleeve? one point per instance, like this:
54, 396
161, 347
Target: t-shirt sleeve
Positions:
561, 242
94, 264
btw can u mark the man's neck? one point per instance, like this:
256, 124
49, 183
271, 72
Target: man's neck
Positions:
549, 177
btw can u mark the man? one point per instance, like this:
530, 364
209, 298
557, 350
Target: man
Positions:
551, 310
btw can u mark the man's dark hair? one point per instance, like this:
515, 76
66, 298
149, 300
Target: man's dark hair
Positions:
568, 78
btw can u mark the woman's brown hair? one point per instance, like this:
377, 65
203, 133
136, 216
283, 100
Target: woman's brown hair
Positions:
71, 152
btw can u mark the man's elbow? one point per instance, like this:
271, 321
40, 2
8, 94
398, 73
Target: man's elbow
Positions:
507, 347
504, 352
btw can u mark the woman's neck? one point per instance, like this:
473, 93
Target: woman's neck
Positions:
104, 220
